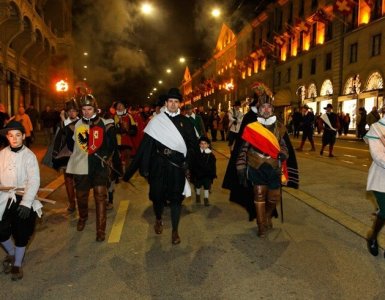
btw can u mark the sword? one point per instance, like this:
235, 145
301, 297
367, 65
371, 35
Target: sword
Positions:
111, 167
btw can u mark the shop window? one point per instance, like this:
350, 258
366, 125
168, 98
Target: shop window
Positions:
328, 61
312, 91
376, 45
326, 88
313, 64
288, 75
299, 75
353, 53
375, 82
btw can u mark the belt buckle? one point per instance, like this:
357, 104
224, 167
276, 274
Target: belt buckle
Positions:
167, 151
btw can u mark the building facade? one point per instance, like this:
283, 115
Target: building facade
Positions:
306, 52
36, 43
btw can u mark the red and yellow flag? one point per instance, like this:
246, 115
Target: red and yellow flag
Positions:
266, 142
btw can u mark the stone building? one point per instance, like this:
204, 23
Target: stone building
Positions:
35, 43
307, 52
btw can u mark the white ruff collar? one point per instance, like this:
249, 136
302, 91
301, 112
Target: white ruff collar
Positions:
121, 113
254, 109
207, 151
172, 114
269, 121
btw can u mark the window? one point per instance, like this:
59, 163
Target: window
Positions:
289, 47
376, 12
312, 66
353, 53
328, 61
300, 42
290, 17
314, 4
260, 36
313, 34
278, 78
288, 75
301, 11
299, 71
278, 19
376, 45
329, 31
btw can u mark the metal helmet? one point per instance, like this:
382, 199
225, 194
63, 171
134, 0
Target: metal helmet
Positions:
88, 100
71, 104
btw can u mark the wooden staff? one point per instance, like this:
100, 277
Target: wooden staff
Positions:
20, 192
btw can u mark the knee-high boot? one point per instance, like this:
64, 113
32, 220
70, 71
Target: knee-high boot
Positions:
82, 198
70, 188
260, 208
372, 240
100, 195
273, 197
312, 145
331, 150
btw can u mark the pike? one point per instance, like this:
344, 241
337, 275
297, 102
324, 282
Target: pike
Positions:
112, 168
20, 192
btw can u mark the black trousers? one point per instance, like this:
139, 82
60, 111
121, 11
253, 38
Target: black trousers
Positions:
12, 225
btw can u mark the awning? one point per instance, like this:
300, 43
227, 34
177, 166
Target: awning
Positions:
283, 98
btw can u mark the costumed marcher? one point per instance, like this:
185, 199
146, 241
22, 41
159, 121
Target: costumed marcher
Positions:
203, 170
331, 125
24, 119
376, 140
164, 158
125, 128
307, 128
60, 151
235, 120
259, 163
92, 148
116, 171
196, 120
19, 169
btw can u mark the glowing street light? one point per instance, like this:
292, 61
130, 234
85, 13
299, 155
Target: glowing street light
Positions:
154, 89
160, 81
62, 86
147, 8
216, 12
168, 71
85, 53
85, 67
182, 60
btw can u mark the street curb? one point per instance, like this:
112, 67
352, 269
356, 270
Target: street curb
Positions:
336, 215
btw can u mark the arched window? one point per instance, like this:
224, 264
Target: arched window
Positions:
353, 85
312, 91
326, 88
375, 82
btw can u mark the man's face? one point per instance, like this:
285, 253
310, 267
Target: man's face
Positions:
172, 105
120, 107
266, 110
189, 111
72, 113
88, 111
15, 138
203, 145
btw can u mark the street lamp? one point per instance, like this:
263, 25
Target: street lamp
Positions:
216, 12
168, 71
160, 81
147, 8
182, 60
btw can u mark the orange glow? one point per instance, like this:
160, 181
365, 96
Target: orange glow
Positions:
255, 66
294, 46
243, 75
61, 86
320, 33
306, 42
249, 71
364, 13
263, 64
283, 53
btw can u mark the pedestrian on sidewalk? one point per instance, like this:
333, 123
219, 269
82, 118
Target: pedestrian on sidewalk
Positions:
203, 171
375, 183
331, 125
164, 159
92, 148
307, 128
297, 119
18, 168
235, 120
373, 116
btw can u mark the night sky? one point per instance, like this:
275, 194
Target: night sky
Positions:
129, 52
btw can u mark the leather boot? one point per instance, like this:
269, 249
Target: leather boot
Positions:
260, 208
70, 188
100, 195
331, 151
197, 198
312, 145
82, 198
206, 201
301, 146
372, 240
273, 197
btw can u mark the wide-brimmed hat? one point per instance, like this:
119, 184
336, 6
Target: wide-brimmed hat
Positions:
174, 93
12, 125
328, 106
